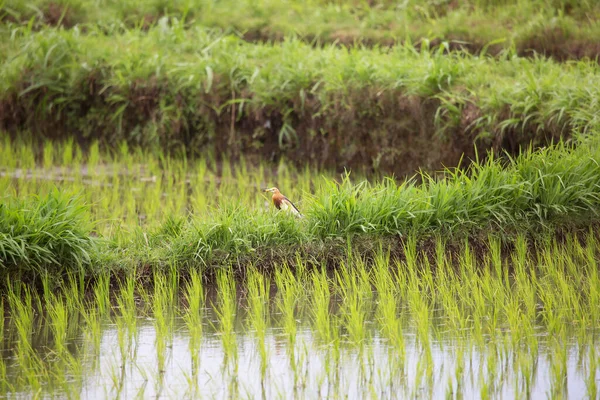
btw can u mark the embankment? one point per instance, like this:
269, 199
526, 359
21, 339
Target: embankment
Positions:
391, 110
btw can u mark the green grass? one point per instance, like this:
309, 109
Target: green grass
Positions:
543, 305
45, 234
159, 224
190, 90
561, 28
258, 299
149, 204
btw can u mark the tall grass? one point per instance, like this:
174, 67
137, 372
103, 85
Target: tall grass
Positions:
45, 234
534, 193
224, 219
157, 90
544, 189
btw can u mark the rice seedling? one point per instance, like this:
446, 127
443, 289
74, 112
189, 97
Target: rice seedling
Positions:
226, 310
355, 290
321, 316
23, 313
31, 367
288, 292
195, 299
162, 314
126, 320
58, 321
387, 307
101, 288
93, 329
258, 299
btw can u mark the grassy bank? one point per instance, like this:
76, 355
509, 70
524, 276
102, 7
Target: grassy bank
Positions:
388, 109
155, 213
564, 29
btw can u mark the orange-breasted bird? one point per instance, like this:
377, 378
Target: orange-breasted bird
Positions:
282, 202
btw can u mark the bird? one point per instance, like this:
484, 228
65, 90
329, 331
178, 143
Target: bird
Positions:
282, 202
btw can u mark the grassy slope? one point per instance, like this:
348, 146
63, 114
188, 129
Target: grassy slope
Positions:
391, 109
535, 194
560, 28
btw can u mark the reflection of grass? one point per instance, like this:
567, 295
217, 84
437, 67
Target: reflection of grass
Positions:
592, 368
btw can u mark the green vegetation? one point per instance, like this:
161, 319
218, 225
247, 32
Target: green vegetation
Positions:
560, 28
39, 235
449, 190
209, 220
193, 91
483, 311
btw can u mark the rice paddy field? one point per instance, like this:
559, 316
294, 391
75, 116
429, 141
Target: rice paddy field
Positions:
444, 157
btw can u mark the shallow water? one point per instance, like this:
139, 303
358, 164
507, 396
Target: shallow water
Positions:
454, 364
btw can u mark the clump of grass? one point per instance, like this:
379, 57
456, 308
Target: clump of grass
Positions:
541, 189
44, 235
534, 193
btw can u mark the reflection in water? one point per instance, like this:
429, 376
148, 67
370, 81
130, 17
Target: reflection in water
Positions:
453, 365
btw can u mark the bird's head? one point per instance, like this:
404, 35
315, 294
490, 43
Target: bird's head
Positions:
272, 190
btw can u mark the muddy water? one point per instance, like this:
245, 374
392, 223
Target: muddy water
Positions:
453, 364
